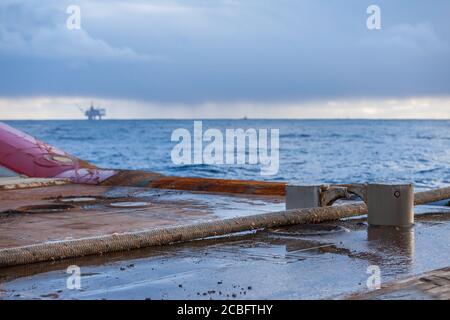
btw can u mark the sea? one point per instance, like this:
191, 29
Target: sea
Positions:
310, 151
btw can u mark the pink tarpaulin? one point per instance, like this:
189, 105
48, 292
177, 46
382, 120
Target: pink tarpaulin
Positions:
21, 153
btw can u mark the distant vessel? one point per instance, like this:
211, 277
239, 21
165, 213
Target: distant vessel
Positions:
94, 113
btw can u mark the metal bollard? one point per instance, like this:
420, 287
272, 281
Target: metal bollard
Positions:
390, 205
298, 197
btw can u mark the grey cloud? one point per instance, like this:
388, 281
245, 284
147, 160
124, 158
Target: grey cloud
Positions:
44, 36
199, 51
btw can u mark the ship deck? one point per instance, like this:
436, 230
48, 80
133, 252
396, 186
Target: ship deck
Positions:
327, 260
38, 215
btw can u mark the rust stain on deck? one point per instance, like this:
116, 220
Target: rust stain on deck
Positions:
154, 180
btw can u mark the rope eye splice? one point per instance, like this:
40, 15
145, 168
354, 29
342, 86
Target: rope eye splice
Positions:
388, 204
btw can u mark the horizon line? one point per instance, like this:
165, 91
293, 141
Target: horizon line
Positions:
242, 119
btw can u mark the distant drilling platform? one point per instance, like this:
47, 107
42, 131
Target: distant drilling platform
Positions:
94, 113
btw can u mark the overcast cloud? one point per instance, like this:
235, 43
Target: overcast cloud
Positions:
198, 52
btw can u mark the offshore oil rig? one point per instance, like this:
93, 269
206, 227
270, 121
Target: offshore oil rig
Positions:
94, 113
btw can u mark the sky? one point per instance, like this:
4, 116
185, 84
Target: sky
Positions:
225, 59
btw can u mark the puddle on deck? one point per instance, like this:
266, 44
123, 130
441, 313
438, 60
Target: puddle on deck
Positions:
299, 262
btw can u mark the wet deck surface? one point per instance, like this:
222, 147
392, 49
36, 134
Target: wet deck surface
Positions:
300, 262
26, 215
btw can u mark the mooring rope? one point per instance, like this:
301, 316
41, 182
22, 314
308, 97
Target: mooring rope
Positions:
431, 196
52, 251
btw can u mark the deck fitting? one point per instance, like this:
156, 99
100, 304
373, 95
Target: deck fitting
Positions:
388, 204
45, 208
298, 197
